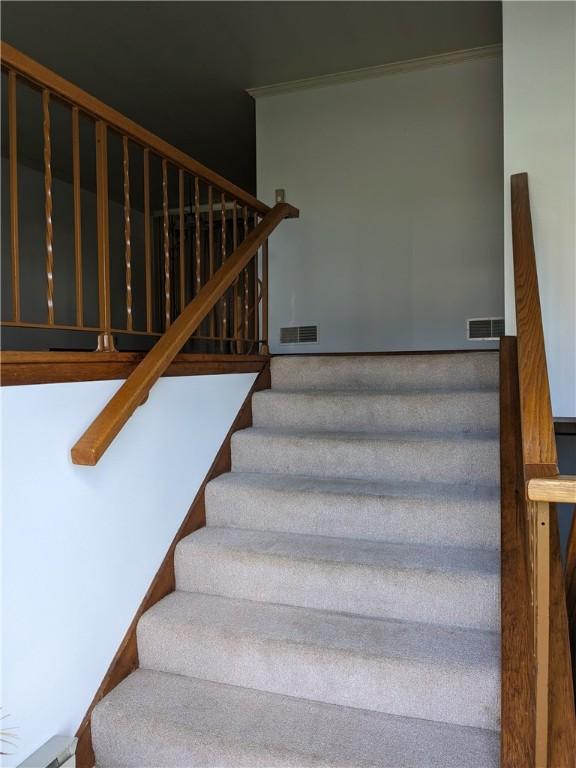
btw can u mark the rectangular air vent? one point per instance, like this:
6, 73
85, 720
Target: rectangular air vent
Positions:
300, 334
485, 328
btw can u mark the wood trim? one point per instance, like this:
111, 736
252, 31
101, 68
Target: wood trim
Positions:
570, 583
126, 659
561, 488
45, 78
21, 368
565, 425
388, 352
100, 434
538, 440
380, 70
561, 716
518, 705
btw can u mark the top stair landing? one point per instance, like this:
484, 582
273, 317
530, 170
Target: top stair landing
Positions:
442, 372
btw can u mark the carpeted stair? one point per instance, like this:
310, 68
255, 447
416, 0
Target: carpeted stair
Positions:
341, 608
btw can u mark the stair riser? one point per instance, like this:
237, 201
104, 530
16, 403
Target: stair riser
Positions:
454, 413
465, 601
436, 461
176, 747
396, 686
416, 521
386, 372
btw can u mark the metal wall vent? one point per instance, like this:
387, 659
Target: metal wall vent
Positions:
485, 328
300, 334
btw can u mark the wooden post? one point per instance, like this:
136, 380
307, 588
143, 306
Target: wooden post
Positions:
77, 216
541, 565
105, 339
147, 241
49, 234
166, 247
127, 231
265, 346
182, 239
13, 168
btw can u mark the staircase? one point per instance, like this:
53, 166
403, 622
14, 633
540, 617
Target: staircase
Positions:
341, 608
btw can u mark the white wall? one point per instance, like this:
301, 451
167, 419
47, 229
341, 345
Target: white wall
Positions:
539, 44
399, 184
80, 545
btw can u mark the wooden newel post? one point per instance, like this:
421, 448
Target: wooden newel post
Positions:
105, 338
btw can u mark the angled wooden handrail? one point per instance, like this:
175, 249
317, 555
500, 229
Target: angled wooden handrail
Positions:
538, 439
18, 62
94, 442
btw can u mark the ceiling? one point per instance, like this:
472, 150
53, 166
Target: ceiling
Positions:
181, 69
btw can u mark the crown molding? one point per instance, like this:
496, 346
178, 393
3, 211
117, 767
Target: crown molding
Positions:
367, 73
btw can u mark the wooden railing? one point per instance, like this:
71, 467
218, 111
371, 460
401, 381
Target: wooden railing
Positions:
176, 223
203, 263
135, 389
538, 726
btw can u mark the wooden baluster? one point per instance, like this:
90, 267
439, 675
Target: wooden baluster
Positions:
147, 241
197, 243
127, 230
77, 216
49, 235
540, 513
265, 346
236, 297
212, 331
166, 244
257, 294
105, 339
224, 299
181, 225
13, 171
246, 281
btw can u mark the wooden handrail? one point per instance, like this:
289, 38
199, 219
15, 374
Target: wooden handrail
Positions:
560, 489
94, 442
538, 439
46, 78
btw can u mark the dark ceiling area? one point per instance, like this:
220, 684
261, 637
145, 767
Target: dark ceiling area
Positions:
181, 69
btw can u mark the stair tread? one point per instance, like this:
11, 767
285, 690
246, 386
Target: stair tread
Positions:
374, 394
367, 636
430, 513
456, 586
444, 372
153, 718
335, 486
403, 456
367, 437
465, 412
398, 667
345, 551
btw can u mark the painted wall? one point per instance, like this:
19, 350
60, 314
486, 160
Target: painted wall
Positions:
539, 43
399, 184
80, 545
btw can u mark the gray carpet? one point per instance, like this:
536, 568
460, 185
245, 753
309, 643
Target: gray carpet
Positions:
341, 608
